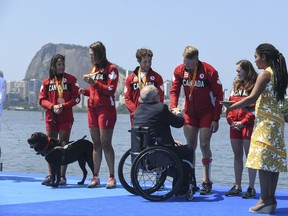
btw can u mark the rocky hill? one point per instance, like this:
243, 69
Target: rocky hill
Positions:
77, 63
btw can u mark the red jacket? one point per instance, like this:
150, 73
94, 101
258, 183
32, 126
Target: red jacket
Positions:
101, 95
132, 90
207, 91
49, 94
246, 118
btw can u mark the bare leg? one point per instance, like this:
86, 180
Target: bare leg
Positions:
106, 143
205, 136
97, 149
237, 147
265, 179
191, 135
251, 172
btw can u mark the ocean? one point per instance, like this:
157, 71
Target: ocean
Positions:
17, 126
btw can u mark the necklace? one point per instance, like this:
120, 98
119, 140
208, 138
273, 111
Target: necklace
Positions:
141, 84
60, 88
193, 83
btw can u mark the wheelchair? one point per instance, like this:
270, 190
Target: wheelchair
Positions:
155, 172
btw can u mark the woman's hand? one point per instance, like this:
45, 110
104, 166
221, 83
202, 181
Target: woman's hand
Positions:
81, 91
88, 79
57, 109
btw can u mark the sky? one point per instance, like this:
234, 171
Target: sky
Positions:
224, 31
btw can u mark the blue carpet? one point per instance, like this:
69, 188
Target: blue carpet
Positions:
22, 194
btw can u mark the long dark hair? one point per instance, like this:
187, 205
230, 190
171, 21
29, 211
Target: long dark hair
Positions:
52, 69
99, 50
277, 62
250, 79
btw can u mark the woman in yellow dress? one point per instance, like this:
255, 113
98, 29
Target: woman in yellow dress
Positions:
267, 151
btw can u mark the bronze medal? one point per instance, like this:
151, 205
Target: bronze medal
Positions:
60, 100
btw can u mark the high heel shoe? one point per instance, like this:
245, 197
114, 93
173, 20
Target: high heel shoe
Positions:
262, 208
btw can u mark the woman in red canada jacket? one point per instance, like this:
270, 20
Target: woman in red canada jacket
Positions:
103, 80
241, 126
58, 94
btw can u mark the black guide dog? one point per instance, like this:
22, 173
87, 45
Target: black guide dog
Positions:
57, 154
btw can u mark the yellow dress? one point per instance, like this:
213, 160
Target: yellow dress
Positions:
267, 149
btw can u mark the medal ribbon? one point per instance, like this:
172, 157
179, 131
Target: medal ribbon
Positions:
141, 85
193, 83
59, 88
93, 72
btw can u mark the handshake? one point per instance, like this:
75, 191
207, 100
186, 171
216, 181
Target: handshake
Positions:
176, 111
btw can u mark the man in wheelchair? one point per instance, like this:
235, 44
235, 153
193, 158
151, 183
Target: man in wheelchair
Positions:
156, 116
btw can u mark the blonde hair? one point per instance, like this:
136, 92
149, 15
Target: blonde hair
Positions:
190, 52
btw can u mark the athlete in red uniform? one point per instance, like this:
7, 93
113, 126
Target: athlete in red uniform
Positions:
103, 80
203, 91
142, 75
241, 127
58, 94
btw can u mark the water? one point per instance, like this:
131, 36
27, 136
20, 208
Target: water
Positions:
17, 126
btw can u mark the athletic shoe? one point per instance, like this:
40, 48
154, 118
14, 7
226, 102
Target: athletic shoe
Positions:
95, 182
111, 183
206, 188
47, 181
234, 192
250, 193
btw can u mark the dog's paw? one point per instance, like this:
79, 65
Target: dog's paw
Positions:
80, 183
55, 185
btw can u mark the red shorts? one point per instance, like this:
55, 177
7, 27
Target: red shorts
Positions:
245, 133
203, 122
102, 119
62, 126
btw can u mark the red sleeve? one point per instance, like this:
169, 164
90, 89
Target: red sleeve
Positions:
74, 96
109, 89
248, 119
175, 89
43, 95
87, 92
230, 115
160, 87
217, 91
128, 96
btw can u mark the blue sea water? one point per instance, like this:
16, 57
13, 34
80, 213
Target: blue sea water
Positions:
17, 126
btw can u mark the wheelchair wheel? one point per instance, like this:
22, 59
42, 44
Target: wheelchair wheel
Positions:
156, 173
124, 172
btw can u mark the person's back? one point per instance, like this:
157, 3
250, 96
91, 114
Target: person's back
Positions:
158, 118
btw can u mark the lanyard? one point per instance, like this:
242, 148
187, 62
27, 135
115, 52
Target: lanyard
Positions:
141, 85
193, 83
59, 88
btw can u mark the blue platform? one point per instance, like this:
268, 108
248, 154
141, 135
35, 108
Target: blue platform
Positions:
22, 194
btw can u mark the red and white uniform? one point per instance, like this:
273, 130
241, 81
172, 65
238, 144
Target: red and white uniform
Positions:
101, 95
132, 90
207, 91
240, 115
48, 97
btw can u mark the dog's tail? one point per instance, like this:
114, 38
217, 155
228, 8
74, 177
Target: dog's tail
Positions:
83, 137
71, 142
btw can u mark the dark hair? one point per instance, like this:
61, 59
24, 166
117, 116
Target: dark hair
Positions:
140, 53
277, 62
99, 50
52, 69
250, 79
